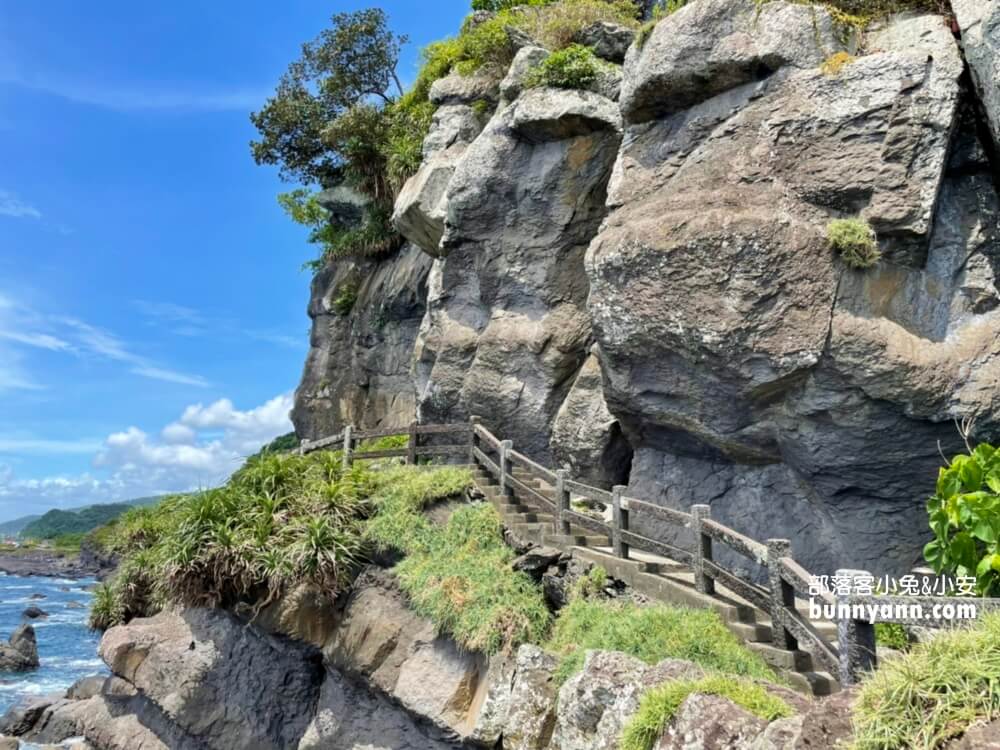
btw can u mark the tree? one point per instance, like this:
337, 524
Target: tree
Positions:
347, 65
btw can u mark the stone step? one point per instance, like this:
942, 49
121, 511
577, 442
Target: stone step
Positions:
792, 661
751, 632
512, 519
582, 539
818, 684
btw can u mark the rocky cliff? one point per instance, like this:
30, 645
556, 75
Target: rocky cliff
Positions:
634, 281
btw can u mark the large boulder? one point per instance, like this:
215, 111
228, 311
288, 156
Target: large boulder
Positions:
979, 22
747, 367
709, 722
209, 674
20, 653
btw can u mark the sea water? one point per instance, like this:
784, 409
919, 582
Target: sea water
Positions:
67, 650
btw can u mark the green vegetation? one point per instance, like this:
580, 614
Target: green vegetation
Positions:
854, 240
836, 62
933, 692
892, 635
458, 575
56, 523
281, 444
651, 634
347, 295
660, 704
965, 518
575, 67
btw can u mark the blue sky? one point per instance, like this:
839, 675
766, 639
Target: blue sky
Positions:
152, 306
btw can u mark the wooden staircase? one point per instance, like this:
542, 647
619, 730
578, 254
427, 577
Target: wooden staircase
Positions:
656, 577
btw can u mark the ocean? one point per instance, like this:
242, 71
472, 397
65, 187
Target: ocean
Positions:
67, 649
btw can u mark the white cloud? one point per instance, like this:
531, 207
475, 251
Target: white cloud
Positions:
199, 450
37, 340
14, 207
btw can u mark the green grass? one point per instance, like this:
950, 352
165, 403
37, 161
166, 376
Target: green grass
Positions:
458, 575
650, 634
855, 242
933, 692
892, 635
660, 704
575, 67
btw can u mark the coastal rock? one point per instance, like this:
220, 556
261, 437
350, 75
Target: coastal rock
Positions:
33, 612
365, 315
979, 24
531, 716
209, 674
86, 687
459, 89
23, 716
609, 41
20, 653
527, 59
709, 722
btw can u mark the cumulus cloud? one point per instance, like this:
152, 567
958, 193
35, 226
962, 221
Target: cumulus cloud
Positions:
200, 449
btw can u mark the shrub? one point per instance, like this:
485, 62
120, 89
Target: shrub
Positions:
892, 635
575, 67
458, 576
933, 692
659, 705
347, 295
964, 515
854, 240
556, 25
650, 634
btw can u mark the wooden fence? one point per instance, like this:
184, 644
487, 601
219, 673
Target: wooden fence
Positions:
854, 652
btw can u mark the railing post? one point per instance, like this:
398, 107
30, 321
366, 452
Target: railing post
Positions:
619, 521
702, 549
855, 638
348, 440
782, 594
302, 446
411, 447
505, 447
473, 440
562, 502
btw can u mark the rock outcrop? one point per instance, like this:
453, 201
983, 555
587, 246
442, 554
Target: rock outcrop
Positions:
20, 653
639, 287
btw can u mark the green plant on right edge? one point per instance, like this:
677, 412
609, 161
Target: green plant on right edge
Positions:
854, 241
964, 515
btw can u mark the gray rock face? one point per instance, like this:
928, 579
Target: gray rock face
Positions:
526, 59
747, 367
979, 22
609, 41
712, 46
20, 653
506, 328
358, 367
711, 723
209, 674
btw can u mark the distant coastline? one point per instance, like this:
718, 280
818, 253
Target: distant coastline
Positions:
53, 563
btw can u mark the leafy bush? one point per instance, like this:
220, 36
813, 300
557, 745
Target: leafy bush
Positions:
347, 295
575, 67
651, 634
854, 240
892, 635
933, 692
965, 518
459, 575
659, 705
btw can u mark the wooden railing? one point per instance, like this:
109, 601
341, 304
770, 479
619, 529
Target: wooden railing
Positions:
787, 582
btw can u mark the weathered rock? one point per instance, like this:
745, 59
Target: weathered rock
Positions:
21, 717
596, 703
767, 383
458, 89
531, 717
536, 560
609, 41
780, 735
36, 596
209, 673
711, 46
20, 653
33, 613
381, 640
346, 205
979, 22
709, 722
358, 367
9, 743
981, 736
506, 330
86, 687
586, 438
526, 60
349, 717
828, 724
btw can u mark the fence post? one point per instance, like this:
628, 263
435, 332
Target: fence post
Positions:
562, 502
302, 446
411, 446
619, 520
782, 594
702, 549
473, 440
505, 447
348, 440
855, 638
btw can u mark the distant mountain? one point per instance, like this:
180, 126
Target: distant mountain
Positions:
69, 521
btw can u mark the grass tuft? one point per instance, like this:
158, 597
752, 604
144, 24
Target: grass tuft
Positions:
933, 692
575, 67
855, 242
650, 634
660, 705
